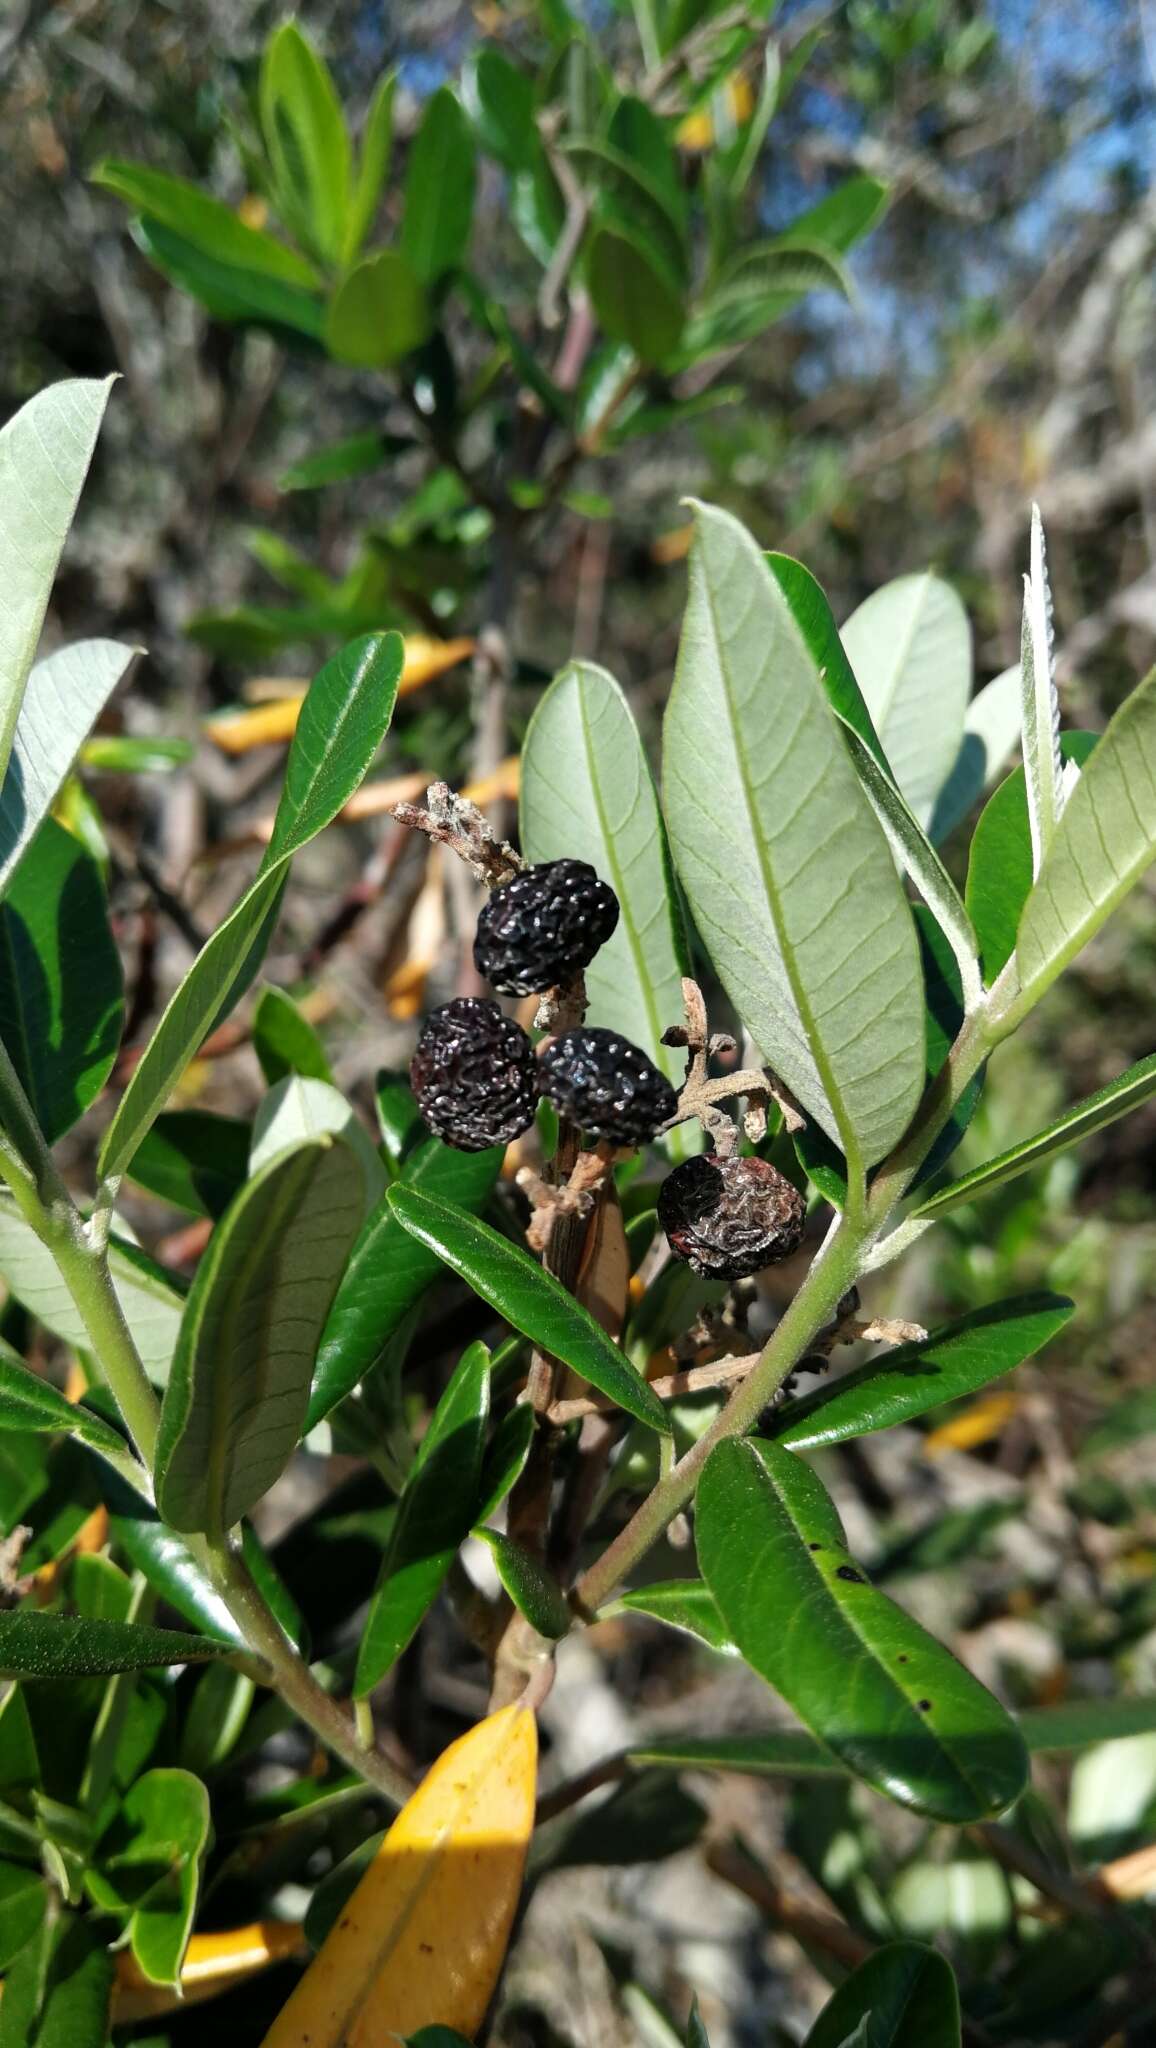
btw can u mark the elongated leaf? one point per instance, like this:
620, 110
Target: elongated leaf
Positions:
285, 1041
500, 100
29, 1403
58, 1992
439, 189
956, 1360
194, 1159
34, 1645
227, 291
61, 985
65, 695
991, 735
1104, 841
204, 221
904, 1996
164, 1559
150, 1299
505, 1458
788, 875
343, 721
307, 141
372, 165
149, 1866
910, 647
23, 1898
45, 450
587, 794
1114, 1100
686, 1604
872, 1684
634, 296
379, 313
529, 1298
1041, 703
530, 1586
234, 1409
298, 1109
816, 622
389, 1271
434, 1517
999, 875
444, 1885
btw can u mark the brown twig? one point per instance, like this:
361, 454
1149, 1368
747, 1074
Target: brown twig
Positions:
453, 821
700, 1096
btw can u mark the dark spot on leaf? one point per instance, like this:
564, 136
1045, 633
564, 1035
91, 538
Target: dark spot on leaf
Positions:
924, 1706
904, 1658
814, 1546
852, 1577
426, 1947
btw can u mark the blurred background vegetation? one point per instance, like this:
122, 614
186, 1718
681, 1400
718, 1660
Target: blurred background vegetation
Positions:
997, 344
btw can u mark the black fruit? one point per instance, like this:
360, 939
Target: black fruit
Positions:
474, 1075
544, 927
607, 1086
730, 1217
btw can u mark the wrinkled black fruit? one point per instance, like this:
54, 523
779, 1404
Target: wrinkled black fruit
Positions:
474, 1075
729, 1218
544, 927
607, 1086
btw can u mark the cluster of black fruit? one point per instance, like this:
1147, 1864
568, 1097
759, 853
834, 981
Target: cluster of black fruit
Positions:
478, 1081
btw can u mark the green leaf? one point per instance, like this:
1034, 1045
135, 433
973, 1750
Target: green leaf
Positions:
234, 1410
1102, 845
1114, 1100
434, 1516
999, 874
644, 1820
788, 875
499, 98
685, 1604
357, 455
23, 1898
888, 1699
439, 189
816, 622
35, 1645
61, 986
307, 141
372, 166
284, 1040
165, 1560
64, 696
1040, 703
945, 1008
30, 1403
230, 293
910, 647
389, 1271
635, 197
45, 450
956, 1360
904, 1996
150, 1298
587, 794
193, 1159
534, 1591
204, 222
529, 1298
343, 721
991, 735
123, 754
58, 1991
635, 299
505, 1457
379, 313
298, 1110
149, 1868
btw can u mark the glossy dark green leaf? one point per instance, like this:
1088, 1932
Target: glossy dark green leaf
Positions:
35, 1645
234, 1409
534, 1591
398, 1117
627, 199
999, 873
686, 1604
888, 1699
904, 1996
529, 1298
955, 1360
307, 141
343, 720
506, 1454
499, 97
212, 1721
193, 1159
389, 1270
434, 1516
165, 1560
23, 1897
644, 1820
439, 189
30, 1403
284, 1040
148, 1868
227, 290
61, 986
635, 299
786, 1753
379, 313
58, 1991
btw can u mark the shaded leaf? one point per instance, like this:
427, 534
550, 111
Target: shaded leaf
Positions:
227, 291
204, 222
58, 1991
64, 696
634, 298
910, 647
151, 1299
534, 1591
30, 1403
999, 874
643, 1821
148, 1869
904, 1996
35, 1645
439, 189
505, 1456
297, 1109
194, 1159
284, 1040
991, 735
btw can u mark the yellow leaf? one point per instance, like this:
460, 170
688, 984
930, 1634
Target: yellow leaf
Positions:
424, 1936
236, 732
978, 1423
733, 104
213, 1963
